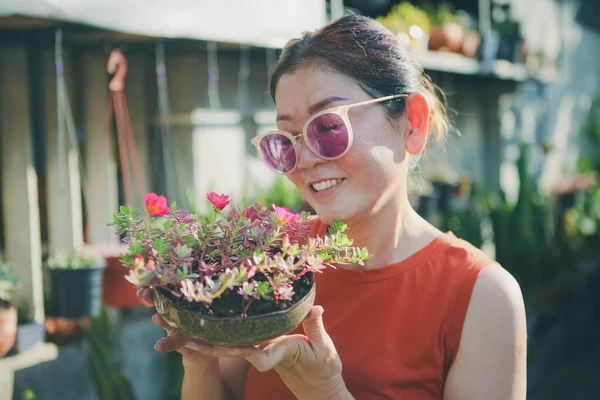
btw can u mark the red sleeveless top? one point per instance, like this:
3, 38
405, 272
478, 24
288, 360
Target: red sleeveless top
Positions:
397, 329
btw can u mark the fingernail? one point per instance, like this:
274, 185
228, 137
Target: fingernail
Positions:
162, 342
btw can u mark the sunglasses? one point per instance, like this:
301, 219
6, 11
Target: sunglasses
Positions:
328, 134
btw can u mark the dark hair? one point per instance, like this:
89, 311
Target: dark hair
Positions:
364, 50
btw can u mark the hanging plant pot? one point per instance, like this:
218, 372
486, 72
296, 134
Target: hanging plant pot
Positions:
194, 321
75, 293
8, 329
117, 292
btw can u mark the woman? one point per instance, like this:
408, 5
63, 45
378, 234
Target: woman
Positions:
429, 316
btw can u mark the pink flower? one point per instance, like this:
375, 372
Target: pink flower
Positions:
219, 201
156, 205
284, 215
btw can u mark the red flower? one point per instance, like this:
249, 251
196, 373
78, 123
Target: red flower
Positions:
219, 201
156, 205
284, 215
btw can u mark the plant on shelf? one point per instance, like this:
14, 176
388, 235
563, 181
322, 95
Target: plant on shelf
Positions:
404, 15
75, 283
410, 23
447, 31
235, 278
8, 312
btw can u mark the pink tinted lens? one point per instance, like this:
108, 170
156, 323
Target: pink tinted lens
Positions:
328, 135
278, 152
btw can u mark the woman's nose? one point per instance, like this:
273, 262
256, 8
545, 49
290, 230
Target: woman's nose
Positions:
306, 158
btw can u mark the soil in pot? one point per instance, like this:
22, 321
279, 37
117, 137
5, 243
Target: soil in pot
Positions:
8, 327
222, 325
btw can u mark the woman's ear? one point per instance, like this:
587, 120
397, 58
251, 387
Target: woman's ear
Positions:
417, 113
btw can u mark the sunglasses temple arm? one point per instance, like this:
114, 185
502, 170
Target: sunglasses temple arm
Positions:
378, 100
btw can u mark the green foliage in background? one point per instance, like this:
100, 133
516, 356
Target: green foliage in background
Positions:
525, 233
173, 368
405, 15
283, 193
9, 282
109, 382
467, 223
590, 136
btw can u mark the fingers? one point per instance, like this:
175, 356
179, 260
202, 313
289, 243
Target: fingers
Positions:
241, 352
158, 320
171, 343
314, 328
285, 349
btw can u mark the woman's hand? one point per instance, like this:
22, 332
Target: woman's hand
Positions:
193, 351
309, 365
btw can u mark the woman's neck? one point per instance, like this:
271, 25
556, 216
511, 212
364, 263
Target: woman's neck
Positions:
392, 234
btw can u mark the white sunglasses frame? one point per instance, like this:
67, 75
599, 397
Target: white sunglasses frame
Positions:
340, 111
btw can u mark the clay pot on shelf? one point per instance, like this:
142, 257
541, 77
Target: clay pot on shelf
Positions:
8, 329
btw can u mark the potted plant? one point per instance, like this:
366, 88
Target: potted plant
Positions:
230, 279
411, 24
75, 287
8, 312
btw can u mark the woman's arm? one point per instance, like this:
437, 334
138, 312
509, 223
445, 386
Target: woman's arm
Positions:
209, 373
491, 360
224, 378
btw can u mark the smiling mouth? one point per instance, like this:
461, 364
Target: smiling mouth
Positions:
324, 185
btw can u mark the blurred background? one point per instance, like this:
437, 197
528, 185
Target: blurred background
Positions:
175, 115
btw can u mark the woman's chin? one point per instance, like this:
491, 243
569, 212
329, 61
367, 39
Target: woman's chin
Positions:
327, 216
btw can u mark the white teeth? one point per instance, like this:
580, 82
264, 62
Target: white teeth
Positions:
325, 184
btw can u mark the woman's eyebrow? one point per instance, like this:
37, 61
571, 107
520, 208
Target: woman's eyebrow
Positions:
314, 107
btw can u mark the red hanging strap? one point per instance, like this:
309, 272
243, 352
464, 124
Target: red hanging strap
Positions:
117, 109
117, 65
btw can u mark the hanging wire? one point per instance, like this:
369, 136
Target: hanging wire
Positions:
270, 59
65, 122
60, 70
213, 75
164, 120
243, 78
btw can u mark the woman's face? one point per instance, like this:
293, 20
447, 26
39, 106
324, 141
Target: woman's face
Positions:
371, 175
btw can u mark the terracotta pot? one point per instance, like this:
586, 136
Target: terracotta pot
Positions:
8, 329
234, 331
65, 330
117, 291
471, 44
455, 36
448, 37
438, 40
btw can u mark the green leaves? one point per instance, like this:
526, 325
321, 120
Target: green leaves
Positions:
135, 247
161, 246
337, 227
245, 252
264, 290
